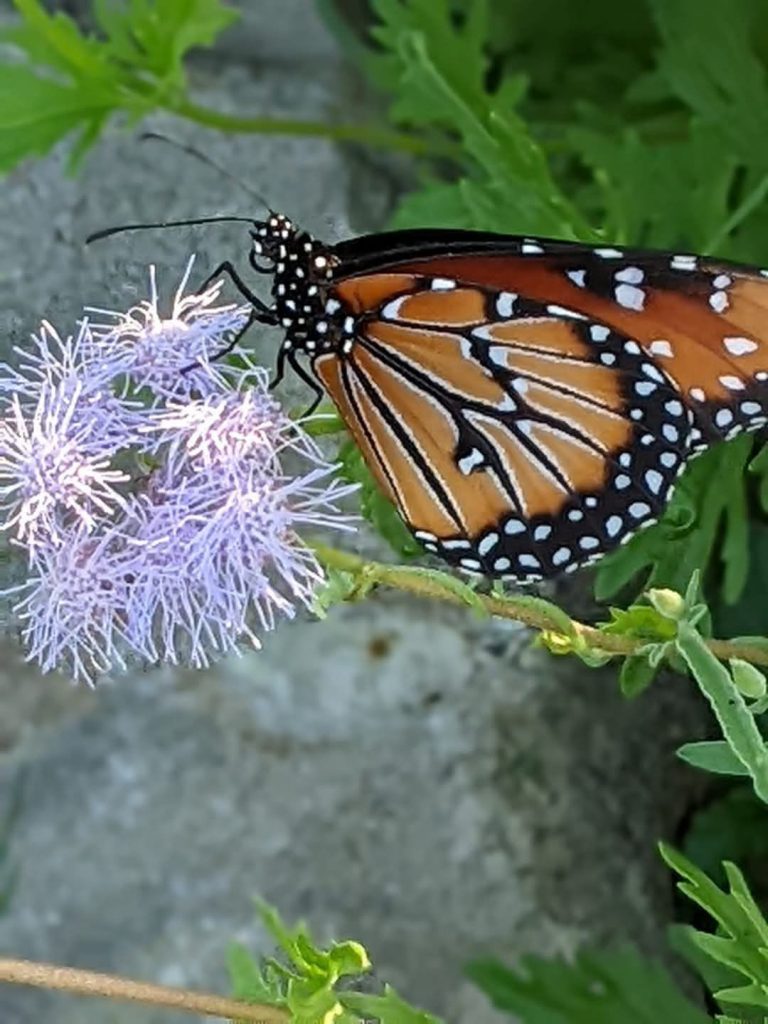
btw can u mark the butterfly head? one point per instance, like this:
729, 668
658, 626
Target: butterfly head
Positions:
302, 273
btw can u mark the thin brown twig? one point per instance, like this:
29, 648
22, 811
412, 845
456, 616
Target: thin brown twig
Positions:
110, 986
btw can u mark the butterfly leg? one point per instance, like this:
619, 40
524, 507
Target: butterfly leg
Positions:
231, 342
261, 312
300, 372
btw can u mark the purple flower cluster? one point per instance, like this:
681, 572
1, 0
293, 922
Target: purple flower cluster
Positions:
152, 500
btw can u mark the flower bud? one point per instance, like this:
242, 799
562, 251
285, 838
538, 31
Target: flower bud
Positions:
667, 603
747, 679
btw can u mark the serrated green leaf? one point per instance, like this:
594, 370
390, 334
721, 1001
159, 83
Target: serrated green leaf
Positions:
618, 987
388, 1008
707, 504
37, 113
248, 982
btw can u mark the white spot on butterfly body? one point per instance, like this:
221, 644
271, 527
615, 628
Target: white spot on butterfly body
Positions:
607, 253
722, 281
732, 383
622, 481
668, 459
542, 532
632, 347
442, 284
607, 358
698, 394
650, 371
739, 346
561, 555
501, 564
630, 296
671, 433
598, 332
575, 515
531, 248
724, 418
514, 526
719, 301
578, 277
450, 545
674, 407
470, 563
645, 388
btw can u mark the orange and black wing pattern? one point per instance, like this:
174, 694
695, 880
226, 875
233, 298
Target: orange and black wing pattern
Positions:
529, 406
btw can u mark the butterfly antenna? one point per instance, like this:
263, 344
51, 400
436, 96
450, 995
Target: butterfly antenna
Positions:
204, 158
108, 232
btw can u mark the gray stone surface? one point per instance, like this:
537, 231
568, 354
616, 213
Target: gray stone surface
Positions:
401, 773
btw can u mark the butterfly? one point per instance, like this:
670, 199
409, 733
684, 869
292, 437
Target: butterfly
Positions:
527, 404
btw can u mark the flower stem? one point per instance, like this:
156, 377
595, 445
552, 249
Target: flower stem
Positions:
382, 138
530, 613
91, 983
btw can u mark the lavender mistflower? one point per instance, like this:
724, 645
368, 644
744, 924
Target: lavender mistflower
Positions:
156, 351
165, 529
53, 469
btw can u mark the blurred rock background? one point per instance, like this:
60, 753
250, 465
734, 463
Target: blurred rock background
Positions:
401, 773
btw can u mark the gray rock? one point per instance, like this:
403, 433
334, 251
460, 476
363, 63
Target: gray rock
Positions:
402, 773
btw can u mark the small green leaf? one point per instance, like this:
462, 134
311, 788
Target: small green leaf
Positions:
388, 1008
735, 720
636, 675
712, 756
617, 987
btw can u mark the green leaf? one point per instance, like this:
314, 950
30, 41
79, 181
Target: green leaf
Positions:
249, 982
374, 506
156, 35
37, 113
636, 675
708, 504
712, 756
742, 942
71, 83
733, 716
618, 987
388, 1009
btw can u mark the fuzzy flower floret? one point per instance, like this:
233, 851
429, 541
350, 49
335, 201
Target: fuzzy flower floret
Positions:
171, 355
160, 506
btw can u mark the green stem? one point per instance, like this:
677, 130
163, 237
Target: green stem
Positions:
742, 211
530, 612
382, 138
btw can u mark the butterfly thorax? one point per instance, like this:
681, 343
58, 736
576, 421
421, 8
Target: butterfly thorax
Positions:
302, 270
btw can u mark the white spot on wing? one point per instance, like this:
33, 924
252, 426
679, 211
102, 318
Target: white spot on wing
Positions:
630, 296
660, 347
739, 346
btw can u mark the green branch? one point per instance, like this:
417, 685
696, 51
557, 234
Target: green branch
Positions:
382, 138
533, 612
